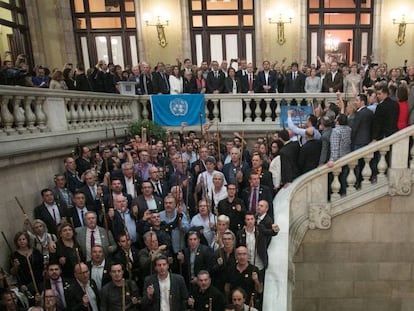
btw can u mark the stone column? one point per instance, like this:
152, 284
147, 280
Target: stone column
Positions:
140, 38
185, 30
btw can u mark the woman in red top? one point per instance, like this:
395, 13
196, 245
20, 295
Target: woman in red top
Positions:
402, 97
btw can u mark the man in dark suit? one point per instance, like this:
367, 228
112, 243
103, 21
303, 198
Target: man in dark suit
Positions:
289, 155
206, 294
73, 180
386, 115
94, 193
266, 79
147, 200
194, 258
130, 180
146, 80
295, 80
82, 293
58, 284
83, 162
334, 81
215, 79
310, 152
51, 213
361, 134
99, 267
160, 187
153, 296
249, 80
187, 67
112, 295
362, 125
78, 211
264, 175
242, 69
127, 254
160, 80
63, 197
255, 193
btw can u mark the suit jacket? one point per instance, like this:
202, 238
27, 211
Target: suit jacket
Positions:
265, 193
245, 83
142, 204
106, 238
120, 256
203, 261
90, 201
137, 181
261, 81
164, 189
74, 294
295, 85
65, 284
337, 84
309, 155
106, 277
190, 86
202, 299
73, 214
385, 119
178, 292
146, 84
160, 84
362, 127
213, 83
41, 212
73, 181
289, 155
228, 84
264, 235
59, 197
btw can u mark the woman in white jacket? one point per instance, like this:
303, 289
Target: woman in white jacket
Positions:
176, 81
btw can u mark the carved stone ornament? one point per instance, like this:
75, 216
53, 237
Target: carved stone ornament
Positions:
319, 216
399, 181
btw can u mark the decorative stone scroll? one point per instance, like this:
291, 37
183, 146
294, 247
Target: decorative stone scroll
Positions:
319, 216
399, 181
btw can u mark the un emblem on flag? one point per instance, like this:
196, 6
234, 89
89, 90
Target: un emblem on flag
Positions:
179, 107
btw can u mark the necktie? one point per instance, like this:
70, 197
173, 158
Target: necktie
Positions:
254, 201
294, 76
145, 84
250, 83
81, 221
93, 192
159, 188
59, 292
216, 74
54, 216
92, 238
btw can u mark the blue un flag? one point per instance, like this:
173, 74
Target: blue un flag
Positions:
172, 110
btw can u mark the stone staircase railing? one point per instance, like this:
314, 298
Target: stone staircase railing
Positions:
305, 205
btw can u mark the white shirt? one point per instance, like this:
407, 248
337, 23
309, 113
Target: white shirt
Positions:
176, 85
165, 293
251, 248
207, 232
81, 217
96, 274
130, 188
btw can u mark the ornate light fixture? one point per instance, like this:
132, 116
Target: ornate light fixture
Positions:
331, 44
160, 23
402, 25
283, 18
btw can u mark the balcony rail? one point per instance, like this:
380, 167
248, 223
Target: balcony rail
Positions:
305, 204
26, 111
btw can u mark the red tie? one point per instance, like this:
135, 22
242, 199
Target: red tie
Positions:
92, 239
250, 83
253, 203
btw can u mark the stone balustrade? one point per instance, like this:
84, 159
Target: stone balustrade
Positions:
31, 111
305, 204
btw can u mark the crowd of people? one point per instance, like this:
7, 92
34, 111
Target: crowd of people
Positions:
185, 223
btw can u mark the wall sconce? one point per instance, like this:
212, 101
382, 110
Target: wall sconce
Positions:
284, 18
402, 25
160, 25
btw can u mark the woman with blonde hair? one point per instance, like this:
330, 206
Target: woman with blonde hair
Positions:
58, 81
43, 241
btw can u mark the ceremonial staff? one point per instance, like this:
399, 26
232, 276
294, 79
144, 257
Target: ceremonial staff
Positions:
210, 304
32, 274
170, 302
123, 295
218, 143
